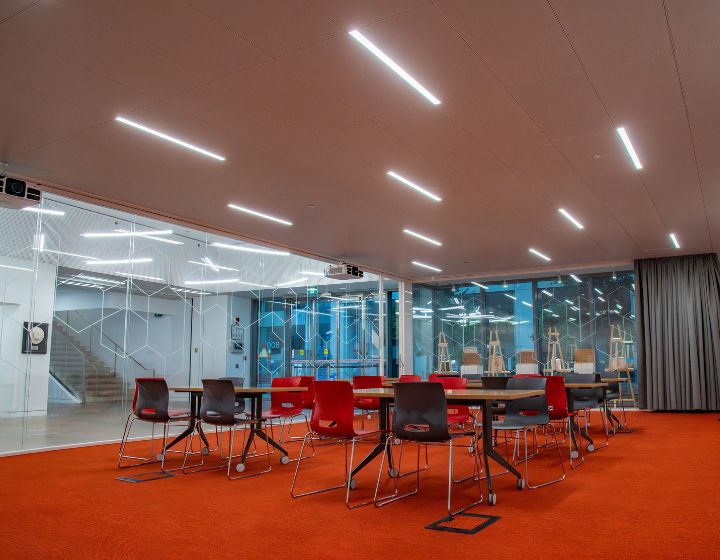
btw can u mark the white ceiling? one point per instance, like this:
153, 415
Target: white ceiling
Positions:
310, 122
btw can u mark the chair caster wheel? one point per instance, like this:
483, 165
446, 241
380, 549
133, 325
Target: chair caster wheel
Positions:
574, 454
471, 450
396, 441
492, 499
284, 459
160, 457
353, 484
240, 467
590, 447
393, 473
521, 484
205, 451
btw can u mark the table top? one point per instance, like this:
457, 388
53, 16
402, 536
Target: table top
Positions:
615, 380
390, 383
459, 394
585, 385
245, 390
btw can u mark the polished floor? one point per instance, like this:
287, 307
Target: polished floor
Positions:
650, 494
68, 425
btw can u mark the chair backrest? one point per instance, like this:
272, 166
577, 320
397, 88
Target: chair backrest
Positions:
534, 409
307, 399
368, 381
493, 383
281, 399
410, 378
334, 410
238, 383
448, 382
556, 397
218, 403
420, 412
582, 398
152, 399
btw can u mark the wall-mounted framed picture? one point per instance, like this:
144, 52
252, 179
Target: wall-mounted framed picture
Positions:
35, 337
237, 335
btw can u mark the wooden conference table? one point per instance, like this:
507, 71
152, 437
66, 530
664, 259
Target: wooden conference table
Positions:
255, 395
472, 397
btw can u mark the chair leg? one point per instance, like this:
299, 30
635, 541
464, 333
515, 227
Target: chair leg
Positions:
350, 485
396, 497
562, 464
123, 442
307, 438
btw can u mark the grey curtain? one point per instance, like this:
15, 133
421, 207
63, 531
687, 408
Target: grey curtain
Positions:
678, 326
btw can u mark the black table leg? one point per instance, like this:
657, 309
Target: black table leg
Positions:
257, 430
192, 424
384, 421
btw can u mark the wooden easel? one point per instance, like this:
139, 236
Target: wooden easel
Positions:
444, 365
554, 353
496, 362
618, 363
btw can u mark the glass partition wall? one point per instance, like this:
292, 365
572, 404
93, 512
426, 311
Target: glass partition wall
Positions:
581, 322
92, 298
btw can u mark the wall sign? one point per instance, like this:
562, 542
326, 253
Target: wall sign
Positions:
35, 337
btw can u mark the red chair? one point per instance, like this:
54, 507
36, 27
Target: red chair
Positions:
308, 397
410, 379
333, 417
151, 403
367, 382
559, 412
458, 414
285, 406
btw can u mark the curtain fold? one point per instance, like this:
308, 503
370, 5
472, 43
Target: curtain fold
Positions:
678, 326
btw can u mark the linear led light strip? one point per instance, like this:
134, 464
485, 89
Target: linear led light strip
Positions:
423, 237
119, 261
674, 240
44, 211
414, 186
483, 286
539, 254
251, 249
423, 265
140, 276
169, 138
575, 278
154, 237
43, 250
260, 214
217, 266
394, 66
571, 218
629, 147
124, 233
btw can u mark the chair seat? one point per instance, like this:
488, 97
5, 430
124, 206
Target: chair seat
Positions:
502, 425
458, 418
367, 404
284, 412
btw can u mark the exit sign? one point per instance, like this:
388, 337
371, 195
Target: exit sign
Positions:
311, 291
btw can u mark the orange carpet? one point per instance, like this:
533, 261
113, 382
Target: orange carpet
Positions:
650, 494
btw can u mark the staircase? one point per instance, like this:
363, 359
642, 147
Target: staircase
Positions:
83, 373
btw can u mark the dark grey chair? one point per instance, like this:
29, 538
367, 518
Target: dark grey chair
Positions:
420, 416
523, 415
219, 409
151, 403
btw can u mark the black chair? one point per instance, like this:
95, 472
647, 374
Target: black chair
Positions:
584, 400
420, 416
219, 409
151, 403
495, 383
523, 415
238, 383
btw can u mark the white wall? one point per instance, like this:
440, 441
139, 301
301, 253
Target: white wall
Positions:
24, 296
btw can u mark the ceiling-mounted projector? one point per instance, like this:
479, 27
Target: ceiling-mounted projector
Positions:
343, 271
18, 193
